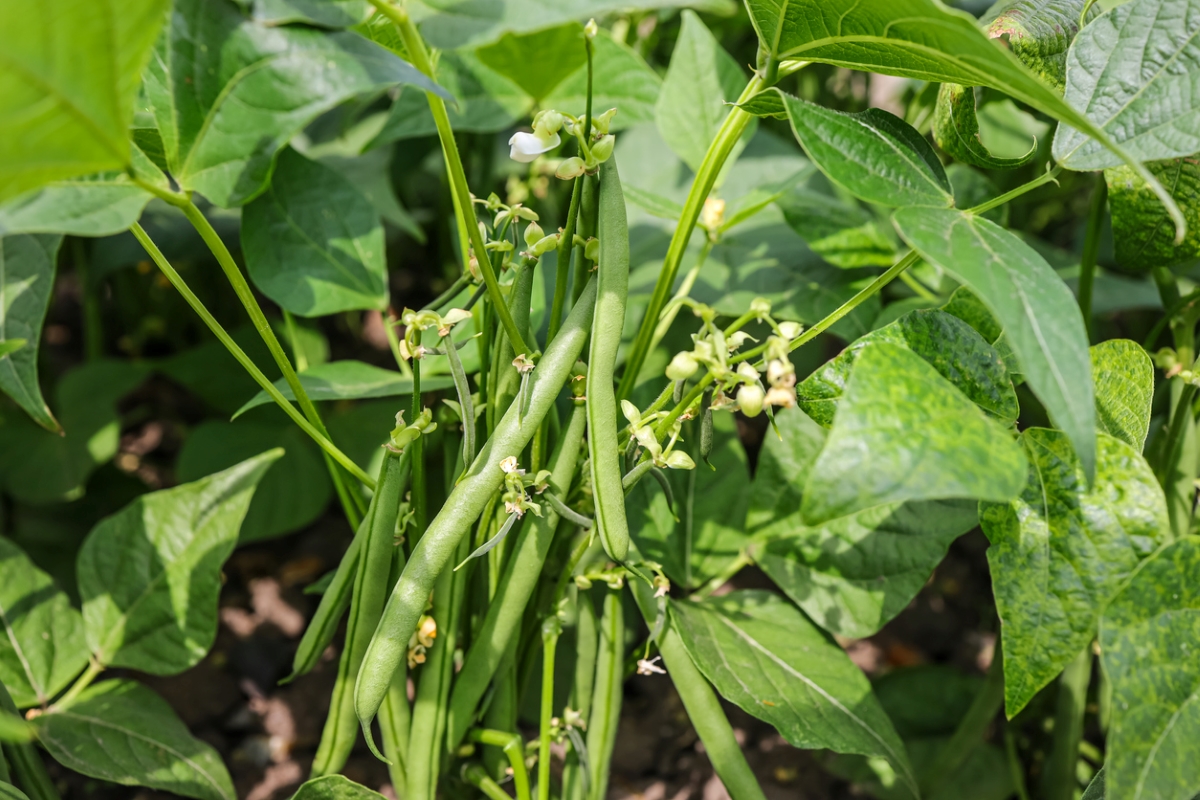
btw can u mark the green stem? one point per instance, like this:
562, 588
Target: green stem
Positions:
267, 386
971, 729
562, 267
514, 750
297, 353
419, 57
1058, 780
685, 288
718, 151
1014, 764
551, 628
743, 560
448, 295
1091, 249
420, 512
90, 674
93, 325
478, 777
918, 288
1048, 177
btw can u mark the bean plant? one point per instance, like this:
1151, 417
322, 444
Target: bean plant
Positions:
692, 326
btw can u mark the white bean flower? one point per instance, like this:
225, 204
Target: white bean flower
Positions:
525, 147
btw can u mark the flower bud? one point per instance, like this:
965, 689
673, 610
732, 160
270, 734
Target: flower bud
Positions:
602, 123
712, 215
780, 397
548, 123
533, 234
790, 330
682, 366
591, 29
677, 459
591, 250
570, 168
544, 245
747, 371
603, 149
750, 400
760, 307
631, 413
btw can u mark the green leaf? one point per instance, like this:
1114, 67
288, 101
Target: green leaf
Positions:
13, 730
485, 101
1147, 643
1039, 33
1124, 379
26, 279
70, 76
120, 731
971, 310
766, 104
951, 346
877, 156
313, 243
538, 61
710, 506
287, 498
42, 646
903, 432
228, 92
701, 81
40, 466
474, 23
1143, 235
149, 574
334, 787
326, 13
1095, 789
349, 380
1037, 312
841, 232
854, 574
927, 699
9, 346
956, 130
10, 792
623, 80
1132, 72
765, 657
783, 467
1062, 550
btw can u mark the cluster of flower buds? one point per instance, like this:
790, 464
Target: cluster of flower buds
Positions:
537, 243
642, 432
1168, 361
404, 435
612, 576
594, 148
516, 500
421, 640
417, 322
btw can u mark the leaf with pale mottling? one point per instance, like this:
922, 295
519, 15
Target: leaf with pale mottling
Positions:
1124, 379
1143, 234
27, 265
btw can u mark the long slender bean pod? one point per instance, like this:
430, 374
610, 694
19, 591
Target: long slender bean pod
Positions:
504, 613
574, 780
366, 605
586, 226
551, 630
606, 697
563, 263
436, 548
608, 322
465, 404
701, 703
334, 602
395, 715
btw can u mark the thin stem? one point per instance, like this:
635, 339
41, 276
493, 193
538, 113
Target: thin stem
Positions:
297, 352
743, 560
1048, 177
478, 777
1058, 779
389, 330
267, 386
514, 750
562, 266
550, 631
448, 295
971, 729
1014, 764
918, 288
419, 57
718, 151
1091, 249
82, 682
93, 325
420, 514
587, 117
685, 288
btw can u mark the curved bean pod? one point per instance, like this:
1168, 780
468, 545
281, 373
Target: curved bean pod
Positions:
465, 503
609, 319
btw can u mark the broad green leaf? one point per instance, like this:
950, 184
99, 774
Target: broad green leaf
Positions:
710, 506
451, 24
903, 432
783, 468
1039, 33
951, 346
41, 645
287, 498
10, 792
841, 232
485, 101
1143, 236
149, 574
654, 204
765, 657
1095, 789
971, 310
194, 368
1148, 637
766, 104
984, 774
926, 699
71, 70
334, 787
538, 61
701, 81
326, 13
1037, 312
313, 243
623, 80
877, 156
349, 380
920, 39
228, 92
120, 731
1124, 378
1132, 72
40, 466
1062, 550
26, 279
854, 574
956, 130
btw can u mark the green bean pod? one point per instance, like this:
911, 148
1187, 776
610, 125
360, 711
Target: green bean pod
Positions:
334, 602
606, 696
574, 780
366, 605
465, 503
507, 607
395, 715
607, 323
